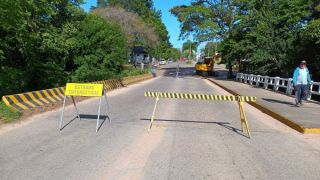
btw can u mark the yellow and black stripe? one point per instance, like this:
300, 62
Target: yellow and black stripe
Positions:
119, 83
32, 100
110, 84
200, 96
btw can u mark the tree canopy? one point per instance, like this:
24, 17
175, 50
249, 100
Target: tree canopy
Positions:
273, 34
152, 17
44, 44
136, 30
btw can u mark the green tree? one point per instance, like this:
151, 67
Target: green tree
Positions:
136, 30
308, 43
208, 20
211, 48
268, 34
26, 26
189, 49
101, 4
273, 34
103, 50
152, 17
44, 44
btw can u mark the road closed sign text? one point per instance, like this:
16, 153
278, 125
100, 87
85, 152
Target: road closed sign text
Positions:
83, 89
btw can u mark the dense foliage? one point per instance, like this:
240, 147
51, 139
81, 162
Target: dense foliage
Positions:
189, 49
44, 44
274, 35
137, 32
101, 52
211, 48
152, 17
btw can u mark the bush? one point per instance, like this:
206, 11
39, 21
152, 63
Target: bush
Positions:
7, 114
104, 50
134, 72
188, 62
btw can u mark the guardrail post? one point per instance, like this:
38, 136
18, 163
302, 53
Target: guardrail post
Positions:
258, 80
244, 78
266, 81
240, 77
289, 87
310, 94
250, 79
276, 83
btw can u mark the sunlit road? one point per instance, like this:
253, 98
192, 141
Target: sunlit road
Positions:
190, 139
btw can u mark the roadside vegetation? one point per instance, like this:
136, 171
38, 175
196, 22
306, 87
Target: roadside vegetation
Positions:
134, 72
7, 114
44, 44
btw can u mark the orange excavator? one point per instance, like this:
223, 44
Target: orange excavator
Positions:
205, 65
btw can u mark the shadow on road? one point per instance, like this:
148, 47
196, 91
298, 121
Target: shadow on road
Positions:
94, 117
183, 72
69, 123
85, 117
190, 71
222, 124
278, 101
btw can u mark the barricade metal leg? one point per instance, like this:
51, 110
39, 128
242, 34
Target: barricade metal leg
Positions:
75, 106
154, 111
62, 113
243, 119
108, 107
98, 118
177, 71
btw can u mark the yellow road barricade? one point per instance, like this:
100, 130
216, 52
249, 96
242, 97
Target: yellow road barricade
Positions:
239, 99
84, 90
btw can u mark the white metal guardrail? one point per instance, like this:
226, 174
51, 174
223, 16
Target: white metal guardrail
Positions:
274, 82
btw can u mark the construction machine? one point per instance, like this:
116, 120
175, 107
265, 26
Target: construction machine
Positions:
205, 65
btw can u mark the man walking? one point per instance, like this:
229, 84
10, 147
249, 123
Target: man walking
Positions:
301, 82
154, 65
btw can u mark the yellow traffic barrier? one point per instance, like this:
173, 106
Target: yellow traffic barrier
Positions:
34, 99
84, 90
190, 96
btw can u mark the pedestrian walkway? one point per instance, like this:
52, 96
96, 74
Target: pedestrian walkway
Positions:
305, 119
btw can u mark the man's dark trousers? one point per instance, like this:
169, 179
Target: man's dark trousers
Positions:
301, 92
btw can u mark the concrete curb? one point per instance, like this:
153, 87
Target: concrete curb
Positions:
273, 114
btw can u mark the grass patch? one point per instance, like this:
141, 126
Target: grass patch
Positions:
134, 72
7, 114
189, 62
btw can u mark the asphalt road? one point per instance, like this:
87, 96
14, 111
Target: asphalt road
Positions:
190, 139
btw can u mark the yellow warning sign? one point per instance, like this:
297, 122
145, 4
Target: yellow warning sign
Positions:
84, 89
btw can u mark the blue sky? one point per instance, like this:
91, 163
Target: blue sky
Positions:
173, 26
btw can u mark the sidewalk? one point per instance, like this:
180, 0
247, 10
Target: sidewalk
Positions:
305, 119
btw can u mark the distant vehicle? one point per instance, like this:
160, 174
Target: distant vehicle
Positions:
162, 62
205, 65
170, 61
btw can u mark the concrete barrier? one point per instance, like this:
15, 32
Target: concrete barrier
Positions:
34, 99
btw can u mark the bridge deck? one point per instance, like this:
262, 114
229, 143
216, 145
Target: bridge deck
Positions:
306, 116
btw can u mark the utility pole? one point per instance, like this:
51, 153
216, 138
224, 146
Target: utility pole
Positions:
215, 48
190, 53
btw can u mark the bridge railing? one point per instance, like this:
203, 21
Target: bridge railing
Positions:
274, 83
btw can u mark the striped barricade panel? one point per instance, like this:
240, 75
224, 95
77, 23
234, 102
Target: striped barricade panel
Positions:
34, 99
200, 96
